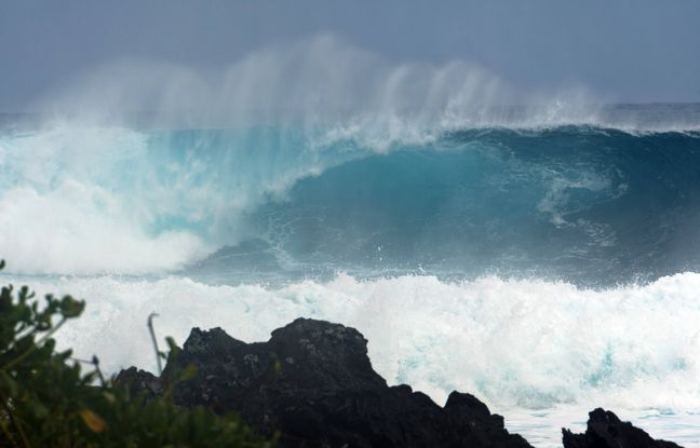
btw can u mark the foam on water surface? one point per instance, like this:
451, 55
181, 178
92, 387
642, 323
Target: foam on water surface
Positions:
525, 347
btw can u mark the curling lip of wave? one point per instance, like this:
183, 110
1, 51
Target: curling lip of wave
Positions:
379, 132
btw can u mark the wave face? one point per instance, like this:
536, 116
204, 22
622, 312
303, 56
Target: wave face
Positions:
584, 204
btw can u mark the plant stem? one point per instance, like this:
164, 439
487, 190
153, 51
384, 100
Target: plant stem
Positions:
33, 347
155, 341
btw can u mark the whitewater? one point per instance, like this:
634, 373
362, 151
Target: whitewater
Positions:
545, 258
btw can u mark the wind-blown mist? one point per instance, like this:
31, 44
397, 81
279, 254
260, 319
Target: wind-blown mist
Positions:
316, 82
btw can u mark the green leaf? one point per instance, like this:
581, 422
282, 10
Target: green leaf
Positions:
8, 383
109, 396
71, 307
171, 344
188, 373
38, 408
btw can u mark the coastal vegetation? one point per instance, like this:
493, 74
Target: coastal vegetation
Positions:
49, 398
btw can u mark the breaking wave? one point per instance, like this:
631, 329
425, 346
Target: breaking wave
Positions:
579, 203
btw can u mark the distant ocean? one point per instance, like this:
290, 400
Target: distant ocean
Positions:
548, 267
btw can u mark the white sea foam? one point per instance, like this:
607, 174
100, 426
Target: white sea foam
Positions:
59, 206
524, 344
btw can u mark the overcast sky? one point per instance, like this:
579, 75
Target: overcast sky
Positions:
628, 50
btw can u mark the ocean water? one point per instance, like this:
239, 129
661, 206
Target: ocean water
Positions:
547, 266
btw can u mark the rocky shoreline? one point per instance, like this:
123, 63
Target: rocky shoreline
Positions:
312, 384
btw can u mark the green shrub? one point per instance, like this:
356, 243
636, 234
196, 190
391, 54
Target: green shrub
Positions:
46, 400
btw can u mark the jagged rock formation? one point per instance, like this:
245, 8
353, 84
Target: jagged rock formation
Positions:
605, 430
314, 384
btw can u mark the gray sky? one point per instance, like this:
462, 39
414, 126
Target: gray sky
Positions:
628, 50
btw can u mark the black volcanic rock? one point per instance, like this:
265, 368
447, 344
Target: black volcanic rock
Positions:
605, 430
313, 382
140, 382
